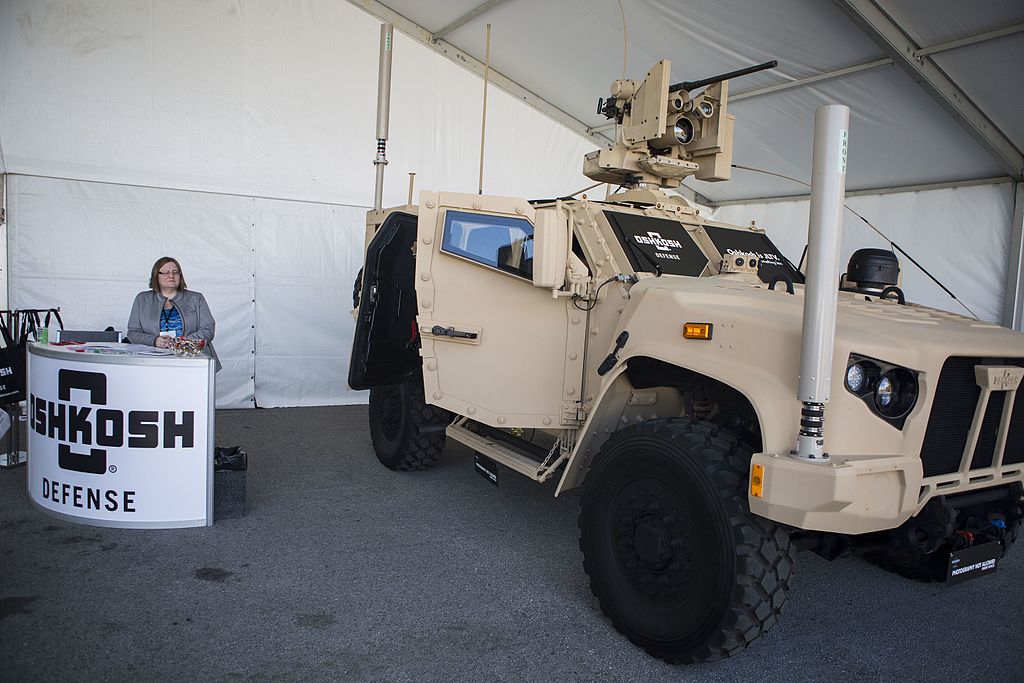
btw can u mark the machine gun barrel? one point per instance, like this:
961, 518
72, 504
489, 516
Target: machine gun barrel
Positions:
693, 85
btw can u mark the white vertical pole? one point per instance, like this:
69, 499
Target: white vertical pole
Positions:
383, 110
828, 188
483, 118
5, 271
1013, 307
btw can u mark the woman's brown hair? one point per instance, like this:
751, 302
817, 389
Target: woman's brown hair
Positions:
154, 284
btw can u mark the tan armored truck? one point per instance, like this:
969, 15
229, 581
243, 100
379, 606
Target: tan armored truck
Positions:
659, 360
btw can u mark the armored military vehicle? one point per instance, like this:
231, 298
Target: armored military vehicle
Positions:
656, 358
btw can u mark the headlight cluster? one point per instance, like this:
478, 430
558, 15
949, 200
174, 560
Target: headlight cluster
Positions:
889, 390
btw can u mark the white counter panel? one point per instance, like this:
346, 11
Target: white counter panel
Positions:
123, 441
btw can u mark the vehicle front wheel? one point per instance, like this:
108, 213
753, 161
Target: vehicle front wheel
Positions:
407, 433
675, 558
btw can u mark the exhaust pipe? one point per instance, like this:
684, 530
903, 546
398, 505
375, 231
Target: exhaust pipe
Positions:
383, 110
817, 342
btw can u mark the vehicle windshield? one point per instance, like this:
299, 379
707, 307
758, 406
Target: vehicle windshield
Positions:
663, 246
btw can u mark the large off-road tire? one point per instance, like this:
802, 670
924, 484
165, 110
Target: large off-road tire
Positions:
407, 433
675, 558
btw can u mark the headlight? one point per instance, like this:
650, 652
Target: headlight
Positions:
885, 392
896, 393
889, 390
856, 378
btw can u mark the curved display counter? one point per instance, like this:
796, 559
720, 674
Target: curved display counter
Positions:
118, 439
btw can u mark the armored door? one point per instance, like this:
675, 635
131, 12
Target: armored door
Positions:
495, 347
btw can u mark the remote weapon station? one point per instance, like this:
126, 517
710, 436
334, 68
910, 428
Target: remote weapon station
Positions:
717, 408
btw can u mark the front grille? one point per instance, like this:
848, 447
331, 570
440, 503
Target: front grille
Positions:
949, 424
985, 449
1015, 440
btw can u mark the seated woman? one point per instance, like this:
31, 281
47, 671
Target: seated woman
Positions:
168, 310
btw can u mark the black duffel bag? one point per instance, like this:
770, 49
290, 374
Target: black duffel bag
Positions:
12, 363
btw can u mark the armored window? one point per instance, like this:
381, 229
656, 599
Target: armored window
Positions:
501, 242
653, 244
729, 240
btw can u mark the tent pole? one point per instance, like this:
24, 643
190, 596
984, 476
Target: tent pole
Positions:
1013, 306
483, 118
4, 253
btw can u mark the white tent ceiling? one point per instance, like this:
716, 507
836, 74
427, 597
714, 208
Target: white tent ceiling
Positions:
566, 53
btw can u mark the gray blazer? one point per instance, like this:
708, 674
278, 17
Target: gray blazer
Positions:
196, 318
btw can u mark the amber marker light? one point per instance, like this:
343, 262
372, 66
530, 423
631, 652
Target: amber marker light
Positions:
757, 481
697, 330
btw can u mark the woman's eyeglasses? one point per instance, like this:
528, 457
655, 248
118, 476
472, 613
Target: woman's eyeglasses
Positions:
168, 272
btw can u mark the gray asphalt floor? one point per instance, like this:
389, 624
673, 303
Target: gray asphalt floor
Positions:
342, 570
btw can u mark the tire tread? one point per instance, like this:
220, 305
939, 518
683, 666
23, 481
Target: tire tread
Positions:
764, 554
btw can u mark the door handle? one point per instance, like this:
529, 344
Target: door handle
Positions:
451, 332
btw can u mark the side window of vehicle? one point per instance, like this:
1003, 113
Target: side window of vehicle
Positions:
501, 242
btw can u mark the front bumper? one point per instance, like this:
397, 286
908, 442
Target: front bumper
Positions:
850, 495
858, 494
974, 440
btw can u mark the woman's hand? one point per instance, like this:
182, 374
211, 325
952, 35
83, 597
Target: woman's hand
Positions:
162, 342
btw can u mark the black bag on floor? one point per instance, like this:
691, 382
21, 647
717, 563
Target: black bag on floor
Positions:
230, 458
12, 363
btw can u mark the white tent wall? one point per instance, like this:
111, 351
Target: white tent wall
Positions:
267, 99
961, 235
236, 136
307, 257
88, 248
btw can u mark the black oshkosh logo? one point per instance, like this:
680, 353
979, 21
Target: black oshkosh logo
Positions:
104, 428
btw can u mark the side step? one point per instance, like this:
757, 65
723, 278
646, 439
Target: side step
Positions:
495, 450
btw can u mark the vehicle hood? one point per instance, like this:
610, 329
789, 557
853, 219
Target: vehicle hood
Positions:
862, 322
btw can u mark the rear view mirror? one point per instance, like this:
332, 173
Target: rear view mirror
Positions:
550, 248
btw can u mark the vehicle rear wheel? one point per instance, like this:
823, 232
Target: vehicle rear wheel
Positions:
407, 433
675, 558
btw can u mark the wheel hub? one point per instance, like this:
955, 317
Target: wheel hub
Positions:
653, 542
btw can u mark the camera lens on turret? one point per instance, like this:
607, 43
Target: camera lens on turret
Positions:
683, 130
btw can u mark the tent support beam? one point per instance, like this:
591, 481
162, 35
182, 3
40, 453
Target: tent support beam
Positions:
824, 76
1013, 305
864, 66
970, 40
463, 59
871, 192
466, 18
891, 38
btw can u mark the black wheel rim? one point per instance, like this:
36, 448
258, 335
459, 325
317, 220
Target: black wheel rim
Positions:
656, 545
